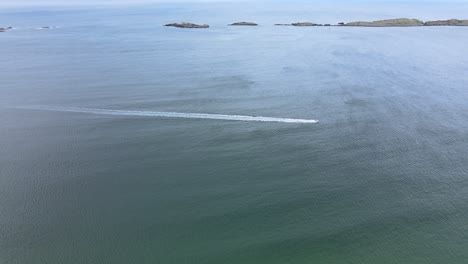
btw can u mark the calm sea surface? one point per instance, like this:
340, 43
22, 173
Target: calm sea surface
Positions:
383, 178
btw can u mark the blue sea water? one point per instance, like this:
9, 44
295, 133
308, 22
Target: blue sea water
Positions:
382, 178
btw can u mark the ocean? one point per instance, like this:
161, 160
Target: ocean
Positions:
122, 141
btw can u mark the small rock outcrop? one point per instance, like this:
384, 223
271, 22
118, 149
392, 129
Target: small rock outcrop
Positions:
304, 24
5, 29
244, 24
400, 22
450, 22
187, 25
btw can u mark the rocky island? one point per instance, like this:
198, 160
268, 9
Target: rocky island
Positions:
5, 29
450, 22
399, 22
187, 25
244, 24
304, 24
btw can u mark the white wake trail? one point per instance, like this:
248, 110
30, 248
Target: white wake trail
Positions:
171, 114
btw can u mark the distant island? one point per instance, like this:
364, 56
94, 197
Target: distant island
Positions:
399, 22
244, 24
304, 24
451, 22
406, 22
5, 29
187, 25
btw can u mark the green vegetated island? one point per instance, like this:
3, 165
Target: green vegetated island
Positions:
399, 22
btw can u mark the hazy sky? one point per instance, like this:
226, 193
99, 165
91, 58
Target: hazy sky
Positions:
117, 2
95, 2
272, 11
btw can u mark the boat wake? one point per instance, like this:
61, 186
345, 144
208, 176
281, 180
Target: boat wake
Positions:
171, 114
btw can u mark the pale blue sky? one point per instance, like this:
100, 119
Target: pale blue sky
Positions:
126, 2
272, 11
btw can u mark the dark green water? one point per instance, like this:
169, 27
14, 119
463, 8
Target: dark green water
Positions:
383, 178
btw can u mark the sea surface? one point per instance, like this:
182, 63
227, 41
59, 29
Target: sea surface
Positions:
88, 176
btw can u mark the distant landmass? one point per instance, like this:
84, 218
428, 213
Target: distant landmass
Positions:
399, 22
187, 25
406, 22
304, 24
451, 22
244, 24
5, 29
